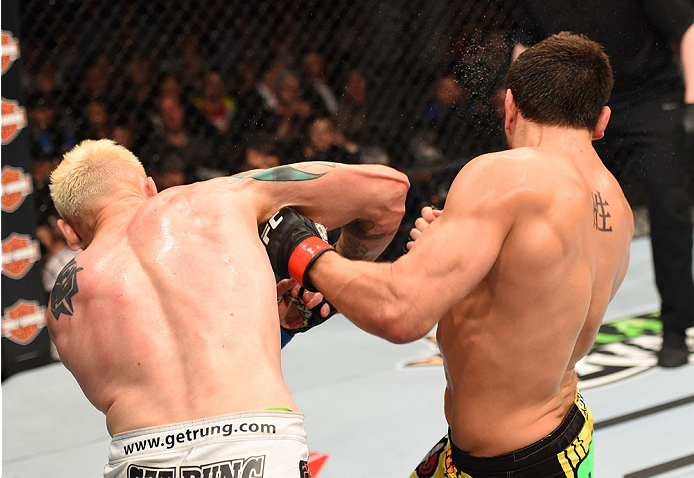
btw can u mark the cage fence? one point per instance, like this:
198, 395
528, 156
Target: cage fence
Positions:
202, 88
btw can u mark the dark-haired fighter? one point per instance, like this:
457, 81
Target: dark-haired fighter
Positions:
168, 318
517, 271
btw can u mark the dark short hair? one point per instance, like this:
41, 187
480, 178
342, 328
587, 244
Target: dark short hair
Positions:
564, 80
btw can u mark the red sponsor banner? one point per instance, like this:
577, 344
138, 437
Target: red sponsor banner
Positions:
16, 185
14, 118
22, 321
9, 48
19, 252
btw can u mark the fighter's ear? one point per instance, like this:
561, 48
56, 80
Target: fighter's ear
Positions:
72, 237
511, 109
150, 187
604, 118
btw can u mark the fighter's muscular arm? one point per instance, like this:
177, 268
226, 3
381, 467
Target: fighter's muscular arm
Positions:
402, 301
367, 201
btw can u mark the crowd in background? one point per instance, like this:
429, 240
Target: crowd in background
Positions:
198, 90
203, 89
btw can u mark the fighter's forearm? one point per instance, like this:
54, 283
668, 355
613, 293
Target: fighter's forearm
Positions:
362, 239
370, 296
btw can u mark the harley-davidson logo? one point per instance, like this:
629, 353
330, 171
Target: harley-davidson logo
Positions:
19, 252
23, 321
14, 118
9, 48
16, 185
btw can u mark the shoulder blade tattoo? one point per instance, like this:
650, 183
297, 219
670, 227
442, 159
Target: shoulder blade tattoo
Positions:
64, 290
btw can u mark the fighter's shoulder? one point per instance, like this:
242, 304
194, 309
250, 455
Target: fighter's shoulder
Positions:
70, 280
502, 163
189, 195
503, 171
509, 179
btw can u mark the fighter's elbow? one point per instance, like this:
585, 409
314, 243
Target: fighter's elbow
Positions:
392, 201
400, 186
398, 328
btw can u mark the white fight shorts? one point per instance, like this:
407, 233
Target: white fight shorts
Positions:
241, 445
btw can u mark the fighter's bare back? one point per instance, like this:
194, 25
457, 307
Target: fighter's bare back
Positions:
170, 313
518, 300
537, 310
174, 318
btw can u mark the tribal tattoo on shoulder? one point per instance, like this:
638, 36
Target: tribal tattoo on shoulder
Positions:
284, 173
600, 213
64, 290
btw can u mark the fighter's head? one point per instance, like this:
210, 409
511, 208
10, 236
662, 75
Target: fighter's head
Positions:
564, 80
90, 176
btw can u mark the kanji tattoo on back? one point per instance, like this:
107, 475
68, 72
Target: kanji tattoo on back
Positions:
600, 213
64, 290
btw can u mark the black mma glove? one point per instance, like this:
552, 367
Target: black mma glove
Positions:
293, 242
312, 317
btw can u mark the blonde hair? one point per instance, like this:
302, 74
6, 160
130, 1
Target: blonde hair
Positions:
88, 171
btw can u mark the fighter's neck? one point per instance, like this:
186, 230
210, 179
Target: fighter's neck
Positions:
551, 137
116, 215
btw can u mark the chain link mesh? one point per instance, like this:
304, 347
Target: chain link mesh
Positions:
202, 88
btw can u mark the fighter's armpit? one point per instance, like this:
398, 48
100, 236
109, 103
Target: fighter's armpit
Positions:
65, 289
285, 173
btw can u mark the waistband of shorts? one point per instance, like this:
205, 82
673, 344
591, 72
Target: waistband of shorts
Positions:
262, 424
546, 448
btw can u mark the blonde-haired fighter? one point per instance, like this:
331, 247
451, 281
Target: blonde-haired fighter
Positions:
168, 319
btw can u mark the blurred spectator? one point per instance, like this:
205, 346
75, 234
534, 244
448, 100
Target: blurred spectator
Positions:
293, 110
351, 111
252, 112
46, 81
319, 94
266, 88
96, 121
448, 97
192, 66
260, 153
50, 137
443, 123
170, 86
173, 135
97, 83
168, 170
217, 107
138, 96
122, 135
328, 143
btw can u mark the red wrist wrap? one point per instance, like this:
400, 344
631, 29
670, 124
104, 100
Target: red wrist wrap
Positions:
303, 254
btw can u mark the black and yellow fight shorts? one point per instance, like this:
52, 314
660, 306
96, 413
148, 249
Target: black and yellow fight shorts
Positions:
566, 452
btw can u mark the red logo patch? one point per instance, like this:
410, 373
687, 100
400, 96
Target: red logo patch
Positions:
19, 252
23, 321
14, 118
16, 185
10, 50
